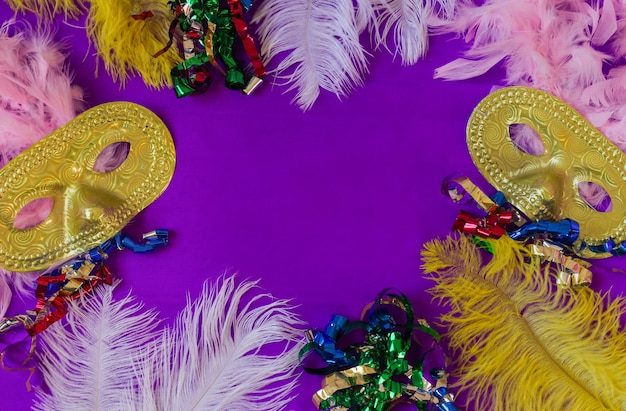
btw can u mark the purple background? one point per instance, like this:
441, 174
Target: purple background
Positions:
326, 207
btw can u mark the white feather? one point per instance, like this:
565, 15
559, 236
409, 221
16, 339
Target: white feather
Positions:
320, 42
216, 356
366, 17
409, 21
87, 360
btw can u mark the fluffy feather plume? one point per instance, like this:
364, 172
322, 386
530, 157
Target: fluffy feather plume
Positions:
87, 360
47, 9
365, 16
408, 19
36, 91
321, 45
126, 45
36, 97
544, 44
215, 358
521, 344
564, 47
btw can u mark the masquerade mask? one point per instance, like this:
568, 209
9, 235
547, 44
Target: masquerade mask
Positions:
88, 207
546, 186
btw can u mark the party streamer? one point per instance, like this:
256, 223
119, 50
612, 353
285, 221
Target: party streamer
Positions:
391, 364
520, 342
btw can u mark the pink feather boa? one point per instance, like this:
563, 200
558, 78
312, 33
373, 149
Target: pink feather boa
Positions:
573, 49
36, 97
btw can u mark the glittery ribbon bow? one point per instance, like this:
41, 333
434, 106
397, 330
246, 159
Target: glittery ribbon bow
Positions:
386, 367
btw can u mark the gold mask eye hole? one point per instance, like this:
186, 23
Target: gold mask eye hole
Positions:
526, 139
33, 214
112, 157
595, 196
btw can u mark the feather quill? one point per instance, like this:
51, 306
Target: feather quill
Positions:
87, 360
320, 42
520, 343
213, 357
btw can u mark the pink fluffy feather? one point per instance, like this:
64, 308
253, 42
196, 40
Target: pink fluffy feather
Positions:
36, 97
5, 296
574, 49
36, 93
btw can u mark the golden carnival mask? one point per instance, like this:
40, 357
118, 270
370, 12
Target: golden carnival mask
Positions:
88, 207
546, 185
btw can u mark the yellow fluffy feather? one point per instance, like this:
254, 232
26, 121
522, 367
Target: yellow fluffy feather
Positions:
47, 9
125, 45
521, 342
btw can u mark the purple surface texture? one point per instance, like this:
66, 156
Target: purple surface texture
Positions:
326, 207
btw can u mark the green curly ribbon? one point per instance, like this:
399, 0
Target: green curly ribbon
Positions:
374, 374
205, 12
224, 40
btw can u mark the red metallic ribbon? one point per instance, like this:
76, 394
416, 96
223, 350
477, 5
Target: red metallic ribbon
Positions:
171, 32
492, 226
142, 16
236, 11
51, 309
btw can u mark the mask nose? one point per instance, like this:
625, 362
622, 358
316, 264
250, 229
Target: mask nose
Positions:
84, 206
551, 182
559, 192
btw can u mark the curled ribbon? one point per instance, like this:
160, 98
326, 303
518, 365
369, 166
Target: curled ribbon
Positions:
551, 239
54, 291
76, 278
386, 367
209, 31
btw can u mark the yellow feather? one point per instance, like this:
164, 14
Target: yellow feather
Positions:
126, 46
521, 342
47, 9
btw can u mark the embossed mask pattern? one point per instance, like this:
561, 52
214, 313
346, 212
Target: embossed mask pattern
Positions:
545, 184
88, 206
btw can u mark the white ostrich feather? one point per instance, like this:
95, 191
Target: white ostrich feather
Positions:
320, 42
87, 360
231, 349
408, 19
366, 16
